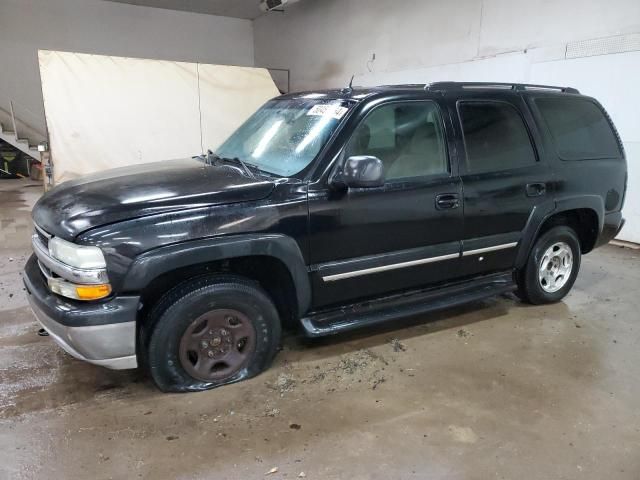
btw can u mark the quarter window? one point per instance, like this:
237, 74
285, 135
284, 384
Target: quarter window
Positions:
495, 137
407, 137
579, 128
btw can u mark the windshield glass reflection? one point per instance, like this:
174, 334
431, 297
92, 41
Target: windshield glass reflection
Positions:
285, 135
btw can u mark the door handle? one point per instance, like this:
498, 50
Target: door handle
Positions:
447, 201
536, 189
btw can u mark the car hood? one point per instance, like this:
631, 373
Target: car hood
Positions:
148, 189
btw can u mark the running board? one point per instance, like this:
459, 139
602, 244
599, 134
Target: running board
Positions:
381, 310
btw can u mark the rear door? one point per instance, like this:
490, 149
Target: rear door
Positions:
504, 178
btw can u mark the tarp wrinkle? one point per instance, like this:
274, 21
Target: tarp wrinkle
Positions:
105, 112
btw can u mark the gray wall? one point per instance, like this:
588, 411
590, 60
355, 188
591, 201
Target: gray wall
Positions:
95, 26
324, 42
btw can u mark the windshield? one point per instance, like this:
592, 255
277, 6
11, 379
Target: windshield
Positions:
284, 136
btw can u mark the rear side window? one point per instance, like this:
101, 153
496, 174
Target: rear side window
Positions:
579, 128
495, 137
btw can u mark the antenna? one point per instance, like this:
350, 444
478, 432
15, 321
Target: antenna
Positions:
351, 81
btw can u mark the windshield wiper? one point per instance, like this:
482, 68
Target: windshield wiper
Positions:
212, 158
244, 165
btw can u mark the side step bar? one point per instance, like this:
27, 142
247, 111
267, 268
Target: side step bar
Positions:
381, 310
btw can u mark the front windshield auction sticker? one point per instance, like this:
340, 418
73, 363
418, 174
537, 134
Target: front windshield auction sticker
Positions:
335, 111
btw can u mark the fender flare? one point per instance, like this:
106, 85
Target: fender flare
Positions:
541, 213
153, 263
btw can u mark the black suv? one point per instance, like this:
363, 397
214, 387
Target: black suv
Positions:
332, 210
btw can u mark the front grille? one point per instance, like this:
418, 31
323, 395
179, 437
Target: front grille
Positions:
42, 236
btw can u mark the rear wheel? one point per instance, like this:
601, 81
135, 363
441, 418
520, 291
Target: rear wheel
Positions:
209, 332
552, 267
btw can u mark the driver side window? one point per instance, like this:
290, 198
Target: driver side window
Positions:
407, 137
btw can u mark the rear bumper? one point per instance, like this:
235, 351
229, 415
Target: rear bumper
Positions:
613, 223
102, 333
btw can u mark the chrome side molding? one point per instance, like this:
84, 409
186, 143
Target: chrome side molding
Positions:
477, 251
393, 266
412, 263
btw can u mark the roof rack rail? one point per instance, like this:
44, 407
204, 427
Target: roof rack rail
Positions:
498, 85
402, 85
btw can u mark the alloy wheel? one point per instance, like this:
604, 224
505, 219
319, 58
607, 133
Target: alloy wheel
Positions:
555, 267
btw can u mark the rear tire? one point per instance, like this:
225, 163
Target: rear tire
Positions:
211, 331
552, 267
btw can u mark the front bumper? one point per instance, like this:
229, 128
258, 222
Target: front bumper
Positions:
102, 333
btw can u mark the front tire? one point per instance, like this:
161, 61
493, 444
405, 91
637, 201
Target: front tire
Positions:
552, 267
211, 331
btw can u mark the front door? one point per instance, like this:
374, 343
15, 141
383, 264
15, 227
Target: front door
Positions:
503, 181
366, 242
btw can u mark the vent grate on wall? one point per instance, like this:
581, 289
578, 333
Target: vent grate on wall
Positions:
603, 46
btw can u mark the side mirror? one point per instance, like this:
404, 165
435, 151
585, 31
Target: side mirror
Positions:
362, 171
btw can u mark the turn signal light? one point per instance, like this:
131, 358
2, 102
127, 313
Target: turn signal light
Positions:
79, 292
93, 292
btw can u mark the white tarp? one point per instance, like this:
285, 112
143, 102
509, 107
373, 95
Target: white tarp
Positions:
105, 112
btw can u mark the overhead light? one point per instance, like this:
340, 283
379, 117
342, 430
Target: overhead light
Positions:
271, 5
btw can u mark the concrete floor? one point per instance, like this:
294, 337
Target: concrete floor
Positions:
496, 389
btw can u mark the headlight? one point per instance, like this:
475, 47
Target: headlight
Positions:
78, 256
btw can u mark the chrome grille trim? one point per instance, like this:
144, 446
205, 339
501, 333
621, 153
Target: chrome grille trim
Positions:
45, 271
43, 236
42, 232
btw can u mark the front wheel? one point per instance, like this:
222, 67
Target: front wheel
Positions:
552, 267
209, 332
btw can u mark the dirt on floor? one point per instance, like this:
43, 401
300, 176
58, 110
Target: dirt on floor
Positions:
494, 389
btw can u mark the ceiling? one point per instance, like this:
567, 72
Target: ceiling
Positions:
248, 9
